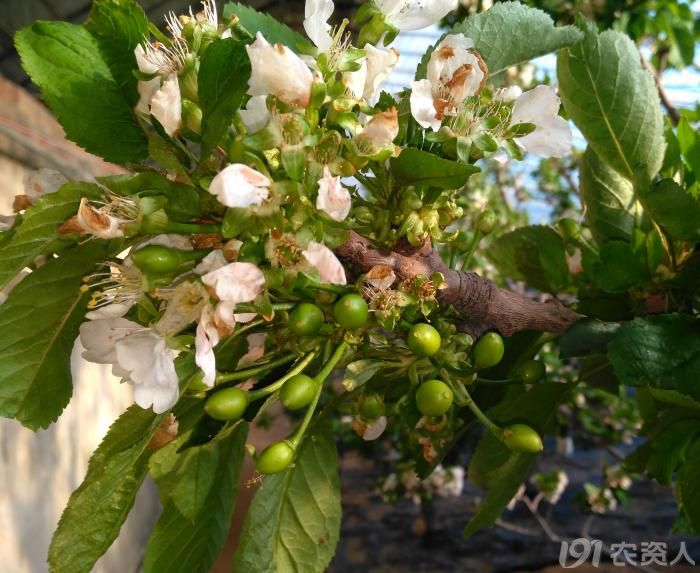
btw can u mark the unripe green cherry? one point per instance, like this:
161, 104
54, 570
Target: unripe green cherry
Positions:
532, 371
157, 259
298, 392
423, 340
488, 351
351, 311
486, 222
523, 439
372, 406
434, 398
227, 404
306, 319
275, 458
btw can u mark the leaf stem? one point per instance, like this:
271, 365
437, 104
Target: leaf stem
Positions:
470, 250
320, 378
253, 371
298, 369
483, 418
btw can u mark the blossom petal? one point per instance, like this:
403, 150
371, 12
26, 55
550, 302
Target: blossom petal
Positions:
206, 338
255, 116
151, 367
316, 16
166, 106
415, 14
238, 185
422, 106
278, 71
329, 267
333, 198
552, 135
236, 282
99, 338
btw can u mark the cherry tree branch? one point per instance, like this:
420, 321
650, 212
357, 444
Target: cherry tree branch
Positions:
484, 305
663, 96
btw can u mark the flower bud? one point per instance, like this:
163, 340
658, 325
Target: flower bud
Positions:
192, 117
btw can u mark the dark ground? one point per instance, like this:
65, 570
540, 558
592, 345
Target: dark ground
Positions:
398, 538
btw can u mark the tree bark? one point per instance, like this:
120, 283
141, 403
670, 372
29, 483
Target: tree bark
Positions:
484, 305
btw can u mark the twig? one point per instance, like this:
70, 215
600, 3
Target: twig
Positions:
673, 113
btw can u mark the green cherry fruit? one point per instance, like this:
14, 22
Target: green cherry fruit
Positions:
532, 371
227, 404
351, 311
372, 406
156, 259
306, 319
298, 392
488, 351
275, 458
434, 398
423, 340
486, 222
523, 439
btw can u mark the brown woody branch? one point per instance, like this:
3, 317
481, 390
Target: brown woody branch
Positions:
484, 305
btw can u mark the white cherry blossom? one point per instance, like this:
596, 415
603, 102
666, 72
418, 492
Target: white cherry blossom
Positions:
150, 366
454, 73
238, 185
333, 198
206, 338
316, 16
100, 336
552, 135
255, 115
329, 267
278, 71
94, 222
166, 106
376, 67
236, 282
380, 131
415, 14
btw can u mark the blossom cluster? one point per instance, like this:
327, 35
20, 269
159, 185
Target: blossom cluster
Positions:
311, 118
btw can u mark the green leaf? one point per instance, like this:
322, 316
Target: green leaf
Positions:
186, 477
587, 336
663, 452
659, 351
98, 508
37, 234
510, 33
676, 210
488, 459
535, 255
689, 143
493, 465
621, 266
506, 481
294, 521
275, 32
360, 372
688, 487
611, 208
38, 326
614, 102
416, 167
181, 544
119, 26
223, 81
64, 60
596, 371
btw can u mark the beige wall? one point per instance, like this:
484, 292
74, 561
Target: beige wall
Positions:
38, 471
